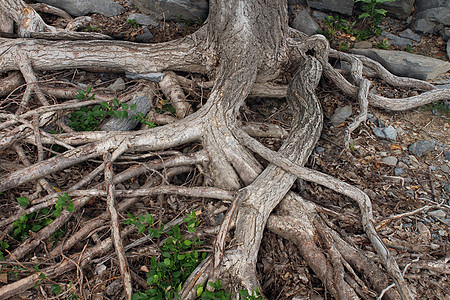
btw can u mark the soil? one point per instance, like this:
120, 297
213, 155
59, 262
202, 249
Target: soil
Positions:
415, 239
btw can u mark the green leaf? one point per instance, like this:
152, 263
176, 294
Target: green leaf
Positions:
125, 105
56, 289
364, 15
116, 102
88, 90
133, 106
23, 201
199, 290
42, 276
167, 261
70, 206
187, 242
36, 227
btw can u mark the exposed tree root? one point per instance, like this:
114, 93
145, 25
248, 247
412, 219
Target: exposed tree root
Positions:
230, 171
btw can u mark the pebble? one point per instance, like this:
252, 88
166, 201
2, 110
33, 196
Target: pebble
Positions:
447, 221
142, 19
398, 171
118, 85
421, 148
341, 114
390, 160
423, 231
442, 232
447, 154
447, 186
445, 169
409, 34
437, 213
388, 133
319, 149
402, 165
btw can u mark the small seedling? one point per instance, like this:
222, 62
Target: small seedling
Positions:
384, 45
35, 221
179, 257
3, 246
409, 49
374, 14
133, 22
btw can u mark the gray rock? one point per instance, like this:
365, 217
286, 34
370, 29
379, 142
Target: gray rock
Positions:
446, 34
118, 85
400, 9
406, 64
305, 23
421, 148
398, 171
447, 187
319, 15
427, 4
390, 160
294, 2
157, 77
388, 133
396, 40
142, 19
174, 10
363, 45
319, 149
108, 8
145, 37
432, 20
437, 213
445, 169
340, 6
448, 49
409, 34
402, 165
341, 114
447, 154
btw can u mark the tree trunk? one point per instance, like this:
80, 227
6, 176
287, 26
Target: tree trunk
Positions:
244, 47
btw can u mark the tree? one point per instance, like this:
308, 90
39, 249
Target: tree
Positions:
245, 47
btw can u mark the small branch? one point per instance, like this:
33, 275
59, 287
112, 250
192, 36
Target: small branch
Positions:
115, 231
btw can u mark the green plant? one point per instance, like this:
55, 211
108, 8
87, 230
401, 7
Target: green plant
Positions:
37, 220
143, 120
383, 44
165, 107
177, 261
409, 49
133, 22
3, 246
218, 292
90, 28
437, 108
88, 118
344, 46
373, 14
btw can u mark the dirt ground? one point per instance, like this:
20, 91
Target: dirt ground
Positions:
419, 240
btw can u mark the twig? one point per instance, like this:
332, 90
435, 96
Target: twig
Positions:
115, 231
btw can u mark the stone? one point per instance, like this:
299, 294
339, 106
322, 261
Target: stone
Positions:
445, 169
305, 23
409, 34
142, 19
447, 154
340, 6
157, 77
319, 15
427, 4
118, 85
174, 10
448, 49
400, 9
406, 64
108, 8
341, 114
446, 34
363, 45
421, 148
388, 133
432, 20
319, 149
437, 213
447, 187
398, 171
295, 2
390, 160
145, 37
